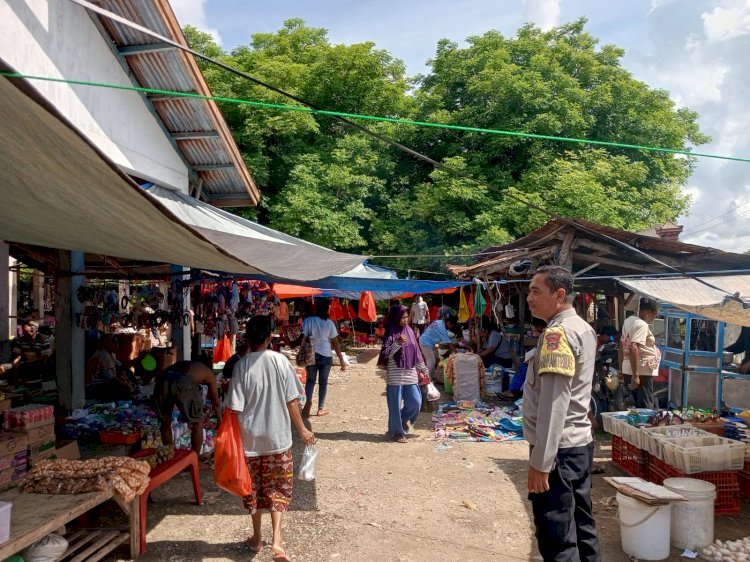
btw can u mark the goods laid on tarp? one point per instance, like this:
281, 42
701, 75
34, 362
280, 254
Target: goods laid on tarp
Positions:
728, 551
476, 422
128, 477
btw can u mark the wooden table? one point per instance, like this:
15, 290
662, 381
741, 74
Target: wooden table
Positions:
34, 516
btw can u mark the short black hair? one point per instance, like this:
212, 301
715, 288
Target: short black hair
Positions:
610, 331
453, 319
557, 277
258, 329
649, 304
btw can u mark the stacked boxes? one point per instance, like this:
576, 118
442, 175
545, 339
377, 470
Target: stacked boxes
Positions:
37, 423
13, 456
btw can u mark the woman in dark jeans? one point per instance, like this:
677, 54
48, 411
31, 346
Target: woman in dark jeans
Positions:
325, 340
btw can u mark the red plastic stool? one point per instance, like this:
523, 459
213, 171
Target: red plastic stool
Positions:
183, 458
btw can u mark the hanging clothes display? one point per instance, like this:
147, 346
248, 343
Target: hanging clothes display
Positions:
336, 311
463, 307
479, 302
367, 309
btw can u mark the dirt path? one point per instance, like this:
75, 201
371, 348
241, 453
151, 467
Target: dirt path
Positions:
377, 500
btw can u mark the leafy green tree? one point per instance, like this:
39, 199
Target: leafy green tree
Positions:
327, 183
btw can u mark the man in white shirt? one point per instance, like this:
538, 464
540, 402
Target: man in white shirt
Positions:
638, 348
419, 316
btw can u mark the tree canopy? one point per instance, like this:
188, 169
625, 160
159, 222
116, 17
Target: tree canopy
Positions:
332, 185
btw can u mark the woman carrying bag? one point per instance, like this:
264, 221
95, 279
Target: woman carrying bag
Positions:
264, 395
402, 359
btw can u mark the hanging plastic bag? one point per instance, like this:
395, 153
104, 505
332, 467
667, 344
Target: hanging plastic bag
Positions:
433, 393
307, 466
230, 469
223, 350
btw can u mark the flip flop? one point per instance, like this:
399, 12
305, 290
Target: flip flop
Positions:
279, 556
322, 413
400, 439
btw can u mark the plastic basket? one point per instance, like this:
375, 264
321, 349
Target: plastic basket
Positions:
633, 435
704, 454
119, 438
611, 424
744, 481
653, 437
629, 458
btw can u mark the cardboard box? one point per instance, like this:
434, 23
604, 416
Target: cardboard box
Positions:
48, 454
13, 460
44, 432
68, 450
40, 448
12, 442
11, 475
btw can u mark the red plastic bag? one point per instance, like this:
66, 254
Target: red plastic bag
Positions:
223, 350
230, 469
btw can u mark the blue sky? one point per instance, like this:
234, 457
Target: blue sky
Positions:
696, 50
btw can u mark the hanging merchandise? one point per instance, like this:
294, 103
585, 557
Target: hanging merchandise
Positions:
479, 302
463, 307
510, 312
367, 310
336, 311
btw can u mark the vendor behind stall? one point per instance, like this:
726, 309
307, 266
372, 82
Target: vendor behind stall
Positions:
31, 354
179, 385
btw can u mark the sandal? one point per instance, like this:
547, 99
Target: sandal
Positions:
322, 413
400, 439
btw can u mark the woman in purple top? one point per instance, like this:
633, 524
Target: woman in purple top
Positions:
401, 357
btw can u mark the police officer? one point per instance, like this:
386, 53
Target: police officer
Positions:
557, 395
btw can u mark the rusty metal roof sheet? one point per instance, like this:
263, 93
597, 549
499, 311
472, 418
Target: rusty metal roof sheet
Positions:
153, 65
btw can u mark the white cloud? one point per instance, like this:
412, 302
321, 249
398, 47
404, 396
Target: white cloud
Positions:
698, 54
544, 13
723, 24
193, 12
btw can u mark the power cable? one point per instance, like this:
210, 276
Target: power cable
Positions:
692, 232
729, 212
377, 118
383, 138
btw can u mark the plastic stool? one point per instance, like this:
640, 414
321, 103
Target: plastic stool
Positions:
183, 458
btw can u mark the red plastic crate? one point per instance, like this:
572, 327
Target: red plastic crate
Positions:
744, 480
729, 484
629, 458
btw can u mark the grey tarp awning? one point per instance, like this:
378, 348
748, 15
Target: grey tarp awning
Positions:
276, 253
59, 191
728, 302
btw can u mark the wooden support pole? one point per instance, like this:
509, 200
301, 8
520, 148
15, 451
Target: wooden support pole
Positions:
69, 337
5, 320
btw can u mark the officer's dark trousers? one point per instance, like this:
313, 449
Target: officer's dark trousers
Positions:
565, 528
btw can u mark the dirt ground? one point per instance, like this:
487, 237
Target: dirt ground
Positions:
378, 500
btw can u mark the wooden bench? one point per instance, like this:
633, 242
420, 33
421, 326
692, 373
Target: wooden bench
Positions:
183, 458
34, 516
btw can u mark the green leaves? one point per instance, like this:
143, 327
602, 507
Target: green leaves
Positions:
329, 184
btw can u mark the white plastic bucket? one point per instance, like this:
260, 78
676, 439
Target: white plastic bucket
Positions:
693, 520
644, 529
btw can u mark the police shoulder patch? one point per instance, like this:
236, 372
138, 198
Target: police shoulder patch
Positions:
556, 356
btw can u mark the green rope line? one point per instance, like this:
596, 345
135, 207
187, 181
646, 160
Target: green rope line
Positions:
396, 120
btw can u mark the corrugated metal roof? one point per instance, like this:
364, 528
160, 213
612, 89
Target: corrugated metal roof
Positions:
602, 257
175, 70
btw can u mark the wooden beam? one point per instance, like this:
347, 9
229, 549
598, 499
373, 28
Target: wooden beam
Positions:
229, 200
195, 135
585, 269
165, 97
145, 48
211, 167
622, 264
566, 257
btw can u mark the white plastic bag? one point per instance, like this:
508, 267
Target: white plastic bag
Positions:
307, 465
49, 549
432, 393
